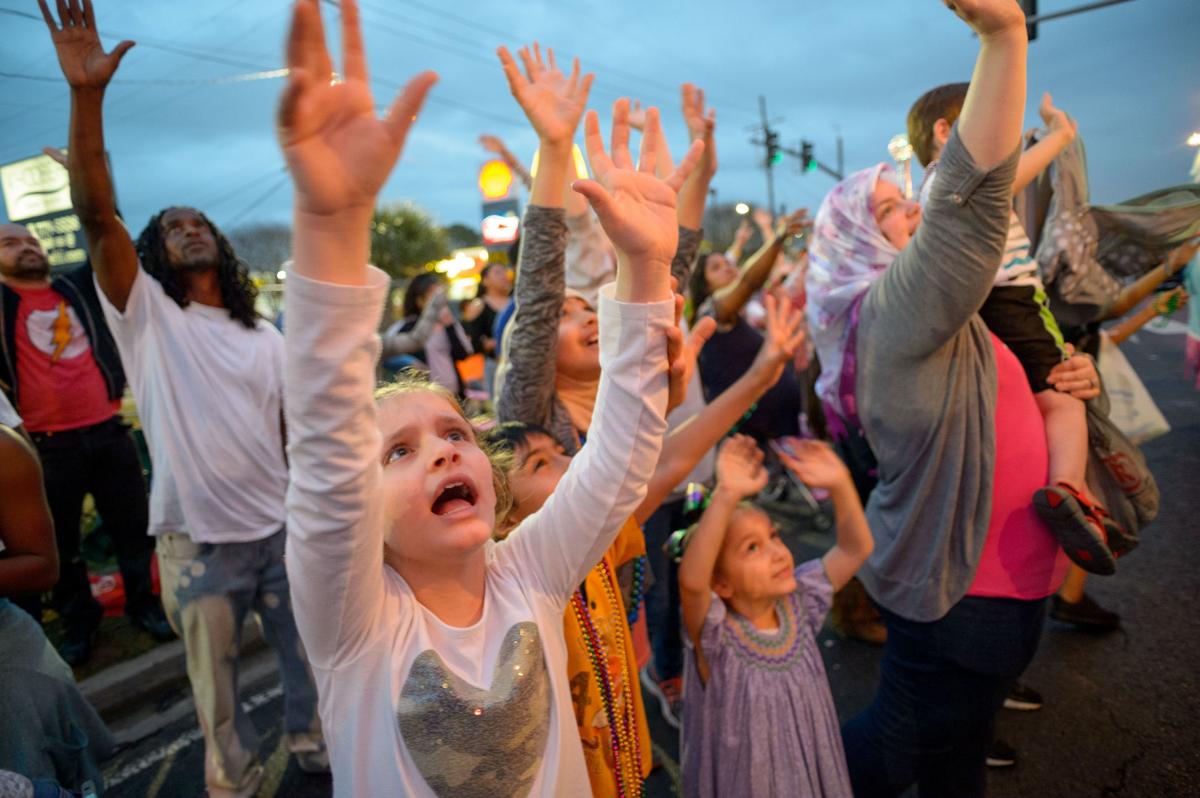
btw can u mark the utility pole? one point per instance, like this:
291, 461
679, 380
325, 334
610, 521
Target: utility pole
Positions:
773, 153
769, 140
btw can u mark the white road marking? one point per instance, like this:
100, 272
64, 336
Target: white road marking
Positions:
149, 760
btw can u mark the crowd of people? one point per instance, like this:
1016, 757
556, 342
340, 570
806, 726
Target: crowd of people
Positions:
470, 604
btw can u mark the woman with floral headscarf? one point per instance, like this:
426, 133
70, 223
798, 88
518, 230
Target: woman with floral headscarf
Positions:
962, 564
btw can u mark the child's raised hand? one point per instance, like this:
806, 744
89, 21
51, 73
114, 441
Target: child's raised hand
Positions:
740, 469
701, 123
1056, 119
338, 151
782, 336
682, 353
552, 101
989, 17
814, 463
635, 208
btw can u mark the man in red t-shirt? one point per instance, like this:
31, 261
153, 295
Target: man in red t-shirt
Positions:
61, 371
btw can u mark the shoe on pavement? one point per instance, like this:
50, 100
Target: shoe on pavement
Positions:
1022, 698
1067, 514
77, 647
669, 693
152, 620
1001, 755
1085, 614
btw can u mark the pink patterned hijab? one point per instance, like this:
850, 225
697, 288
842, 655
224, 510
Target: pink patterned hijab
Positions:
846, 255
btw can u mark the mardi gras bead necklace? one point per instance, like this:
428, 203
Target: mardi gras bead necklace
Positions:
623, 731
639, 584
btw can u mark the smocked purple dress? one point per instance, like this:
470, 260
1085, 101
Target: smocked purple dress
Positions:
764, 724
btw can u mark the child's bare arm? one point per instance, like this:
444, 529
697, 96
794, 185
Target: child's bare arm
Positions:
1138, 290
1061, 132
685, 447
816, 464
740, 473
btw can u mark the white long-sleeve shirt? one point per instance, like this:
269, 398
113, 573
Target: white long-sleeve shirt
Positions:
410, 705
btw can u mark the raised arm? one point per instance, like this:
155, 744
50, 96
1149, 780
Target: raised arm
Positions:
1164, 304
493, 144
688, 443
29, 561
1061, 130
990, 122
405, 343
729, 301
553, 103
606, 481
339, 155
740, 474
88, 70
1145, 285
817, 466
948, 267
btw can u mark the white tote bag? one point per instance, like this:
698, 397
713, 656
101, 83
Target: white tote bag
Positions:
1133, 410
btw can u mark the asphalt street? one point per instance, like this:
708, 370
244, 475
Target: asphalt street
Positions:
1122, 711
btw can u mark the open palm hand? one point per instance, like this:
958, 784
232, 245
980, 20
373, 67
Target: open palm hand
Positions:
636, 209
783, 335
338, 151
553, 102
814, 463
740, 469
77, 43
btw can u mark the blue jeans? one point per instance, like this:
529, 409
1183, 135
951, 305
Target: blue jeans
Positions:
940, 686
662, 600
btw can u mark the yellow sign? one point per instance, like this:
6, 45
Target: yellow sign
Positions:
495, 178
33, 187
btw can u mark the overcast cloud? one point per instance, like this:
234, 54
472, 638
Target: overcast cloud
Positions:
1130, 74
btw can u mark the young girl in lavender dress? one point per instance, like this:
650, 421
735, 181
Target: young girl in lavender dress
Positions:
758, 716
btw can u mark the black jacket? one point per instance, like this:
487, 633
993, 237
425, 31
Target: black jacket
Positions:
78, 288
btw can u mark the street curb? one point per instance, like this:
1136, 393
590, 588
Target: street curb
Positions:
149, 675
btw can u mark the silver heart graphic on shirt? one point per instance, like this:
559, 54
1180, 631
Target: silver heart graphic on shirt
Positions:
474, 743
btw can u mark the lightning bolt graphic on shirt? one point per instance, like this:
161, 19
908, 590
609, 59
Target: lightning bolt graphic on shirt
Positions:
62, 332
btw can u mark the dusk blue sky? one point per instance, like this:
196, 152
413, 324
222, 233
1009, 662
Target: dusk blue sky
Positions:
1129, 73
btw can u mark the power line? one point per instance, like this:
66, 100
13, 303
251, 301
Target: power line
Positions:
269, 74
260, 200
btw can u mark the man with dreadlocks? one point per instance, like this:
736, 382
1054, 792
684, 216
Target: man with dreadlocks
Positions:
207, 374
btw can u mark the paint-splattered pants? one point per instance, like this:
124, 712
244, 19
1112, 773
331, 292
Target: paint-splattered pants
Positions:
207, 589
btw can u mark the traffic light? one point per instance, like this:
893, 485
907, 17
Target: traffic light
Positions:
774, 155
807, 162
1030, 9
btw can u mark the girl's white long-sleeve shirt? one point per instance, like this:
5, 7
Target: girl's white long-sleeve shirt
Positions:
409, 705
